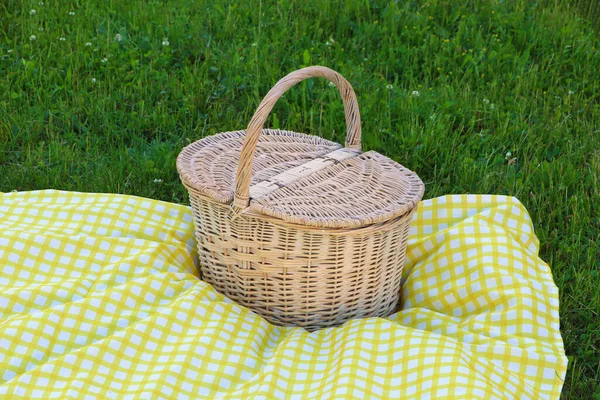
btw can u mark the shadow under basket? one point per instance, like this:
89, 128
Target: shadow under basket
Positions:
299, 229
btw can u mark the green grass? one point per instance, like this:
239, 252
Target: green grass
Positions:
492, 76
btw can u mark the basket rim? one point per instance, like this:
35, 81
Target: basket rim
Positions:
381, 226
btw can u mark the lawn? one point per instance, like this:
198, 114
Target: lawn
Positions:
481, 96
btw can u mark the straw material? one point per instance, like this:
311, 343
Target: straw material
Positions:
322, 239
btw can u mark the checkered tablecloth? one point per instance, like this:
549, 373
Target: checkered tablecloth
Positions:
100, 298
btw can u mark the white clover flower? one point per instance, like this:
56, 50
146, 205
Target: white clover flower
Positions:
118, 37
492, 106
41, 29
331, 84
32, 12
415, 93
486, 101
389, 87
71, 12
88, 44
104, 60
41, 3
508, 155
62, 39
32, 37
93, 80
157, 180
165, 42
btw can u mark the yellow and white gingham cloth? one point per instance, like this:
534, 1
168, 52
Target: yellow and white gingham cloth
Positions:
99, 298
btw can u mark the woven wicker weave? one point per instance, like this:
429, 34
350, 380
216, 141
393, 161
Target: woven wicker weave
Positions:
304, 232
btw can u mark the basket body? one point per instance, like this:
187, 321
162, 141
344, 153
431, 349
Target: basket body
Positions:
296, 275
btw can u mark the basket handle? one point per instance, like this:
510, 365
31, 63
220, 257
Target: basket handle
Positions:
244, 171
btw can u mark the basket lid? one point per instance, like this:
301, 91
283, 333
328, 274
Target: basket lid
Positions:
299, 178
209, 165
361, 190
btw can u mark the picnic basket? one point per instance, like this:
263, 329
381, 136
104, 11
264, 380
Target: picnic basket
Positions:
297, 228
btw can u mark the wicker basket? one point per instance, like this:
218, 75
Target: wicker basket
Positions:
305, 232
